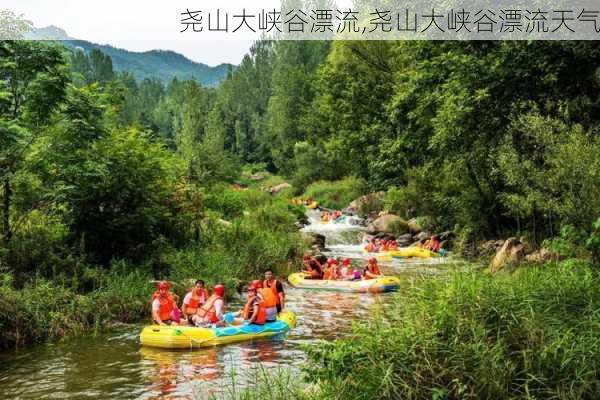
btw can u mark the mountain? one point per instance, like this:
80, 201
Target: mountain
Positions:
162, 64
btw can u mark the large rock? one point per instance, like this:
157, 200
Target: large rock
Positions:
508, 256
385, 223
542, 256
423, 236
358, 205
278, 188
404, 240
317, 241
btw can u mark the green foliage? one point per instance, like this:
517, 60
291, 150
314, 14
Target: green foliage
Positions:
44, 310
593, 242
229, 202
473, 336
336, 194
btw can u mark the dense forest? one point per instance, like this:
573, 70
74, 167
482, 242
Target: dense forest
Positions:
109, 182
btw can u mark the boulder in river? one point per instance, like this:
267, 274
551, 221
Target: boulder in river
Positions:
366, 203
387, 223
404, 240
317, 241
423, 235
508, 256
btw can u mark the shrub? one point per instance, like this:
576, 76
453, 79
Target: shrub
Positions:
337, 194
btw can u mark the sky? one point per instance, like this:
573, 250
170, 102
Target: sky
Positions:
140, 25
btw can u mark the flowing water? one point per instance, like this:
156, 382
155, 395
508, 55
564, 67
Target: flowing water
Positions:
114, 366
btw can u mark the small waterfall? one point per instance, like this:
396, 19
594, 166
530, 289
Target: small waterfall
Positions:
347, 237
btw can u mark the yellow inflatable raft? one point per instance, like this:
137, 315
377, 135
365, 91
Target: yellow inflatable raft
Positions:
312, 205
187, 337
405, 252
379, 285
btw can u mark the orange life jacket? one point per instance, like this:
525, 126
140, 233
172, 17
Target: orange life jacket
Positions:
273, 286
374, 269
270, 299
195, 301
166, 307
262, 312
207, 311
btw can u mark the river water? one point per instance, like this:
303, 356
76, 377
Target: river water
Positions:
114, 366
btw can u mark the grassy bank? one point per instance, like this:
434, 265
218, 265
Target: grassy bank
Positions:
534, 334
531, 335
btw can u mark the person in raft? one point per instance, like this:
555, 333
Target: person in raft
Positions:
275, 285
433, 244
211, 312
332, 270
314, 269
164, 306
346, 273
193, 300
255, 311
372, 269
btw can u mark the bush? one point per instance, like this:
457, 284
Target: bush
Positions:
533, 335
230, 203
44, 310
337, 194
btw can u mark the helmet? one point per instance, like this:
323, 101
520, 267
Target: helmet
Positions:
252, 287
163, 285
336, 262
372, 260
330, 261
219, 290
346, 261
256, 284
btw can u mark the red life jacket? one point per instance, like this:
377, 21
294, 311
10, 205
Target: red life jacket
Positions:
195, 301
166, 307
207, 311
262, 312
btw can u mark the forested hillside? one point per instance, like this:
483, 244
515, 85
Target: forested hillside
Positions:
160, 64
487, 137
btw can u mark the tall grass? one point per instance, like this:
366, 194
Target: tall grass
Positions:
263, 384
533, 335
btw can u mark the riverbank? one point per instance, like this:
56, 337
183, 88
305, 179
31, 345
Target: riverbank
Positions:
533, 334
243, 232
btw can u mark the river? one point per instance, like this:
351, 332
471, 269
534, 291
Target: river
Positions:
114, 366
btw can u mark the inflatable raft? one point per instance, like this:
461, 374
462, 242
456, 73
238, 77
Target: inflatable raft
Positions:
405, 252
379, 285
312, 205
186, 337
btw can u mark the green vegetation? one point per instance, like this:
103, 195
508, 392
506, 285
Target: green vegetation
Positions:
532, 335
102, 194
108, 182
336, 194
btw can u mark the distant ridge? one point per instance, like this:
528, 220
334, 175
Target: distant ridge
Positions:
162, 64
